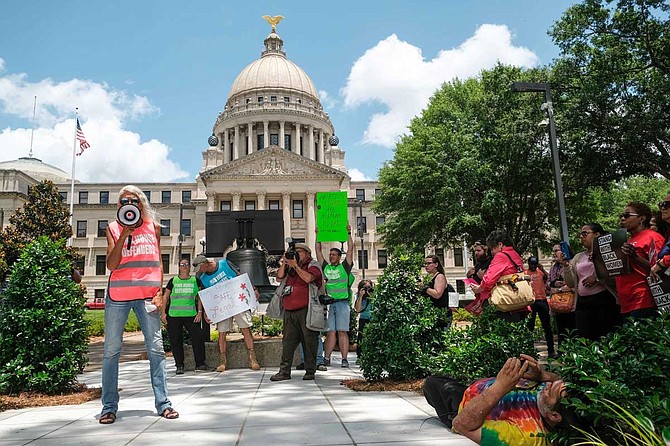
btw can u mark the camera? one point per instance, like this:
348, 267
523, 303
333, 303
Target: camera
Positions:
325, 299
367, 289
291, 253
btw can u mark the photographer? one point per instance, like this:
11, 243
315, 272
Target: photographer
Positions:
363, 307
303, 277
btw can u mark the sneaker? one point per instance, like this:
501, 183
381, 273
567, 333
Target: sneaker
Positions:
326, 362
345, 363
308, 377
279, 377
180, 370
202, 368
321, 368
300, 366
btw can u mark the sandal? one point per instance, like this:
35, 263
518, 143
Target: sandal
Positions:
170, 414
107, 418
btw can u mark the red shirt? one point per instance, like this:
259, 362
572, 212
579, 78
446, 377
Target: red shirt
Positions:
537, 282
299, 297
501, 266
632, 288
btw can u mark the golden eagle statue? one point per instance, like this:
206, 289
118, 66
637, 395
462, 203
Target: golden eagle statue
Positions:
273, 21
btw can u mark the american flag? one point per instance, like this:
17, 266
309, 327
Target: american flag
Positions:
83, 145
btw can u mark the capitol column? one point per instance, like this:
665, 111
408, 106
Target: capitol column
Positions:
226, 146
322, 155
266, 136
236, 200
281, 135
296, 146
311, 217
286, 212
311, 143
250, 138
260, 199
211, 196
236, 143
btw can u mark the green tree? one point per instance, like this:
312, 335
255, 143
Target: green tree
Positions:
613, 80
474, 161
43, 340
43, 214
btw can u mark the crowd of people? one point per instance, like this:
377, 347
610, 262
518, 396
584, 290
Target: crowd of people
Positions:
523, 400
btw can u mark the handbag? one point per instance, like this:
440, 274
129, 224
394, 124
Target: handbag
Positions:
563, 302
512, 292
317, 313
275, 308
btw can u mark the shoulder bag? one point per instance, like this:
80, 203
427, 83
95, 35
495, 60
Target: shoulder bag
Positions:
563, 302
512, 292
317, 313
275, 308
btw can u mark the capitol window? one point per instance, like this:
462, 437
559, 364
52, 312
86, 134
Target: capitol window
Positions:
260, 99
273, 98
287, 99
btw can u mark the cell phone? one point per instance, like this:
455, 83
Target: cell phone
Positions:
565, 249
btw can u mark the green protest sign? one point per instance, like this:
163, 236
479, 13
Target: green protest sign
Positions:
331, 216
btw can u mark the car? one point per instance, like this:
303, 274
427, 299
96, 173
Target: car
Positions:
95, 303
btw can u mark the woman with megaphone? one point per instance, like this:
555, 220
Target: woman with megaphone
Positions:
135, 282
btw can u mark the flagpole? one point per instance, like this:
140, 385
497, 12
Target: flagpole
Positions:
32, 130
74, 157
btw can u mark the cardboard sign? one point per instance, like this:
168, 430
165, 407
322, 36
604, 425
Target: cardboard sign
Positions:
660, 290
608, 257
228, 298
331, 216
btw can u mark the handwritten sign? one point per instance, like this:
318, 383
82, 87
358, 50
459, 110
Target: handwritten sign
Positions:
660, 290
228, 298
331, 216
608, 257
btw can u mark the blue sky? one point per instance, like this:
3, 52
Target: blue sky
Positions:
150, 77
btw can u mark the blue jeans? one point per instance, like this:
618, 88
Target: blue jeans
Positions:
319, 352
116, 315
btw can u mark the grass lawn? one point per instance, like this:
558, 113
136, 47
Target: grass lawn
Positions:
96, 322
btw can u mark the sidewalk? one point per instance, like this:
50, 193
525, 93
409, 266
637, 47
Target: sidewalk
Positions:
237, 407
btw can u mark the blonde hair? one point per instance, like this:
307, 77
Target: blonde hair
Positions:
148, 213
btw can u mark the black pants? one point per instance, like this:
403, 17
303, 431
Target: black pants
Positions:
541, 308
175, 329
565, 324
597, 315
444, 394
359, 340
512, 316
295, 333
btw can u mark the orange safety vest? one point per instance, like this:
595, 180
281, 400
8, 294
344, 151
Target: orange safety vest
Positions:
138, 275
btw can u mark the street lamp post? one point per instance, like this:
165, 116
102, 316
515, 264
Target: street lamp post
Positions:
543, 87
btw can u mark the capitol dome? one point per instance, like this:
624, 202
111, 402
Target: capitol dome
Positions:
273, 71
37, 169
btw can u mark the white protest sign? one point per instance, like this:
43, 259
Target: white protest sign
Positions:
228, 298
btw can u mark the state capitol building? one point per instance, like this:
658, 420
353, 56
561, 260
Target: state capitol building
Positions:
272, 148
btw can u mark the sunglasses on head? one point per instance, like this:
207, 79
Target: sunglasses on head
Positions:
664, 205
628, 214
125, 201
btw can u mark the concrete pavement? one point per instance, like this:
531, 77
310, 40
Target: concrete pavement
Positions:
237, 407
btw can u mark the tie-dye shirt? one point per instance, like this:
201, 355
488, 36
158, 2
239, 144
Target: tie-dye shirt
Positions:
515, 420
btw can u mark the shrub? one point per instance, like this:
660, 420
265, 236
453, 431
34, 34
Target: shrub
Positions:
629, 367
267, 326
405, 332
43, 339
481, 349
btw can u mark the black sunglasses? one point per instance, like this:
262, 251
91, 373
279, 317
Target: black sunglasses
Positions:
585, 233
664, 205
125, 201
628, 214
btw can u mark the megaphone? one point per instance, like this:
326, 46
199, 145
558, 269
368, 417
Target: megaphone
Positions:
129, 215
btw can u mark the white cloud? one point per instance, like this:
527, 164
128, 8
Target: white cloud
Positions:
327, 101
2, 64
395, 74
357, 175
116, 154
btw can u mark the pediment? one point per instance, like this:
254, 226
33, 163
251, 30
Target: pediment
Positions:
272, 161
